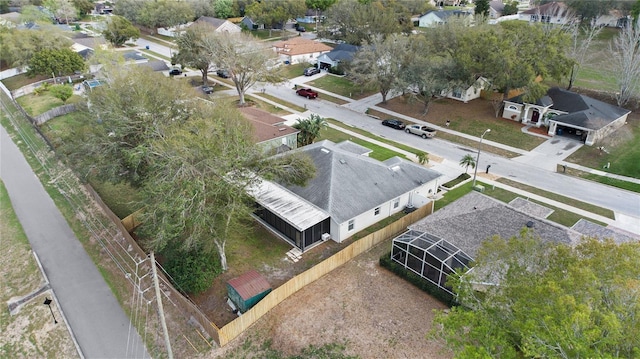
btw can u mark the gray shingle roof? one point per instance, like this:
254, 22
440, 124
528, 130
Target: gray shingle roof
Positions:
467, 222
348, 184
212, 21
343, 52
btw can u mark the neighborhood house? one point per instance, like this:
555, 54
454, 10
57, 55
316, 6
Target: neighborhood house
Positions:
568, 113
343, 53
270, 132
300, 50
349, 193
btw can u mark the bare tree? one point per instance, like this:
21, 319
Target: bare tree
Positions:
625, 51
247, 60
581, 38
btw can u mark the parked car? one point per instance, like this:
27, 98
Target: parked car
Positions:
175, 71
422, 131
393, 123
207, 89
223, 73
300, 28
310, 71
308, 93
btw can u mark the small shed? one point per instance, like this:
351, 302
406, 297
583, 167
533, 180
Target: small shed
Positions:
247, 290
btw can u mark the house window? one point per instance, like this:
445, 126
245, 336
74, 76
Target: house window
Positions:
396, 203
352, 224
457, 93
376, 211
512, 107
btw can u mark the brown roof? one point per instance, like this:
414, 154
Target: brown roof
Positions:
250, 284
300, 45
266, 126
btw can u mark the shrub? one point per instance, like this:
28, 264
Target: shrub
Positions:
192, 271
63, 92
421, 283
463, 177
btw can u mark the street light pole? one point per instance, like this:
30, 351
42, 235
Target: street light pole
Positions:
475, 172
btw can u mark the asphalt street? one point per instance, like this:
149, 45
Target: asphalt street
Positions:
98, 323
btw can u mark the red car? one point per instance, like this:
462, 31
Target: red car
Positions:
308, 93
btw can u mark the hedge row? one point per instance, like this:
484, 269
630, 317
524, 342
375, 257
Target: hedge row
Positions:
421, 283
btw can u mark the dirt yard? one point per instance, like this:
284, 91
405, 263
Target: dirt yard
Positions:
375, 313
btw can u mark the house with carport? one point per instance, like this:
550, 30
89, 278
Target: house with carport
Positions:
551, 13
438, 17
300, 50
349, 193
569, 114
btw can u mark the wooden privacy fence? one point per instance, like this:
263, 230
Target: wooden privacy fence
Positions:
58, 111
240, 324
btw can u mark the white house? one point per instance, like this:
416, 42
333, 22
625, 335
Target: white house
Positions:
615, 18
173, 31
468, 93
553, 13
568, 113
298, 50
437, 17
349, 193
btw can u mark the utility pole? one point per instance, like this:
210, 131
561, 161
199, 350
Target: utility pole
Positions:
160, 309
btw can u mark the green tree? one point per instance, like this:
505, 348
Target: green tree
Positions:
119, 30
84, 6
194, 162
274, 14
482, 7
18, 46
320, 5
55, 62
547, 300
131, 10
223, 8
353, 22
164, 13
310, 129
581, 38
63, 92
193, 50
635, 11
510, 8
468, 161
379, 64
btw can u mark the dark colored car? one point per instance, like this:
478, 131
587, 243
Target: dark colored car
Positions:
308, 93
310, 71
301, 28
207, 89
175, 71
393, 123
223, 73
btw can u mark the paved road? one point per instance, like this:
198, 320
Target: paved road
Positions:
99, 324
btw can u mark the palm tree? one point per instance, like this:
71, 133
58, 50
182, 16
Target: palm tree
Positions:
423, 157
467, 161
310, 129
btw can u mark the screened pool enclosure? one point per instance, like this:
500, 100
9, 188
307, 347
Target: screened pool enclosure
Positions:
428, 256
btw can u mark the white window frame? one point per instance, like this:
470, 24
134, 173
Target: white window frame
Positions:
376, 211
351, 225
396, 203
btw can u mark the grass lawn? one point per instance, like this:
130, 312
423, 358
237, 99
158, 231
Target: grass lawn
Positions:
31, 332
341, 86
566, 200
18, 81
380, 153
279, 101
155, 54
271, 35
372, 136
295, 70
35, 105
622, 151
